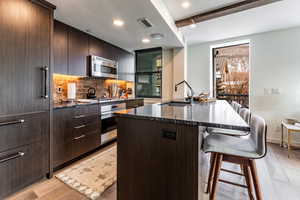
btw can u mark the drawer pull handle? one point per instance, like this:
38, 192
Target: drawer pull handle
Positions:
12, 122
80, 137
79, 116
79, 127
17, 155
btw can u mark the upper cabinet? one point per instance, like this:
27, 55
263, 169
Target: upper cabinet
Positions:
60, 48
126, 66
101, 48
78, 52
72, 47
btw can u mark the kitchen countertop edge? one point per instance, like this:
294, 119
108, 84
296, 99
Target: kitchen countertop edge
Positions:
57, 106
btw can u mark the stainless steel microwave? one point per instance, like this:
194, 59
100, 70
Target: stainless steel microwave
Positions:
103, 68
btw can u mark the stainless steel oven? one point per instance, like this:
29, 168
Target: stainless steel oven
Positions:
103, 68
108, 121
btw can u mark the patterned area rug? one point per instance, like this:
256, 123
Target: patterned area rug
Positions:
92, 176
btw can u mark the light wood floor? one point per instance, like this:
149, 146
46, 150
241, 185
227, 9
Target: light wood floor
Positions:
279, 177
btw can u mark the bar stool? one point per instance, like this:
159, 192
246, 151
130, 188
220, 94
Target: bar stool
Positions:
238, 150
245, 114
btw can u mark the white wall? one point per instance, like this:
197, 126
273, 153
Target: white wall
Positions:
274, 62
179, 71
167, 75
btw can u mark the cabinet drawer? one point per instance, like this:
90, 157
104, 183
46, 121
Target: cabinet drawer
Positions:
86, 143
86, 110
16, 131
86, 129
20, 167
85, 119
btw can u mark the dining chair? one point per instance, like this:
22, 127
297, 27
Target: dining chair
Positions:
242, 151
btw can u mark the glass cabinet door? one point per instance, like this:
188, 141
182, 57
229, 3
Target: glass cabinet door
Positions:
148, 73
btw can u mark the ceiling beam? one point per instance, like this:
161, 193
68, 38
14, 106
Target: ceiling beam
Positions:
223, 11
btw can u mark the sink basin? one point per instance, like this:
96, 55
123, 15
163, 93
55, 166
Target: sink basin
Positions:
177, 103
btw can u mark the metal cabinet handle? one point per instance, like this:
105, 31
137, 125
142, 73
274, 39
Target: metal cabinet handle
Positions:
79, 116
20, 121
80, 137
14, 156
45, 82
79, 127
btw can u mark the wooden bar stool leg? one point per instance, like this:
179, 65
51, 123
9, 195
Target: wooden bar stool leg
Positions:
211, 171
247, 175
219, 158
255, 180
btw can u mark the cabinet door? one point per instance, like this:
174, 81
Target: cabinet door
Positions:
25, 30
125, 65
62, 136
60, 48
96, 47
101, 48
78, 52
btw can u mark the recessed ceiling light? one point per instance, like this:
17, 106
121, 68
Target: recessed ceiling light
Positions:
185, 4
157, 36
193, 25
118, 22
145, 40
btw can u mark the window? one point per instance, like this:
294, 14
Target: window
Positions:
148, 77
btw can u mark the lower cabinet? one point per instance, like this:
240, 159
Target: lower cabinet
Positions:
76, 131
24, 150
20, 167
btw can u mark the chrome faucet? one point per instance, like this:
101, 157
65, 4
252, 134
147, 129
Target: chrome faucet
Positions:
191, 89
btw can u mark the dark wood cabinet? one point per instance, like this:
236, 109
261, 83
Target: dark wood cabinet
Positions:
76, 131
134, 103
167, 157
25, 52
78, 52
71, 48
60, 48
20, 167
97, 48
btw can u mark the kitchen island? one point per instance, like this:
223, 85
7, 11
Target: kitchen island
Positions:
159, 148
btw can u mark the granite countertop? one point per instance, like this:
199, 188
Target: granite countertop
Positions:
74, 104
218, 114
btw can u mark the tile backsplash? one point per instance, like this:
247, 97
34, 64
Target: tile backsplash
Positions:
108, 88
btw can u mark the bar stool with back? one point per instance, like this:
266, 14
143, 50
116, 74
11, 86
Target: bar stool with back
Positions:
238, 150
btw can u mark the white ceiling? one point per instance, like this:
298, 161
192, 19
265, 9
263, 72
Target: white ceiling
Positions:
196, 6
98, 15
275, 16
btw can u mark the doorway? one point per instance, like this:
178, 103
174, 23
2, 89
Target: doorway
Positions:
231, 73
